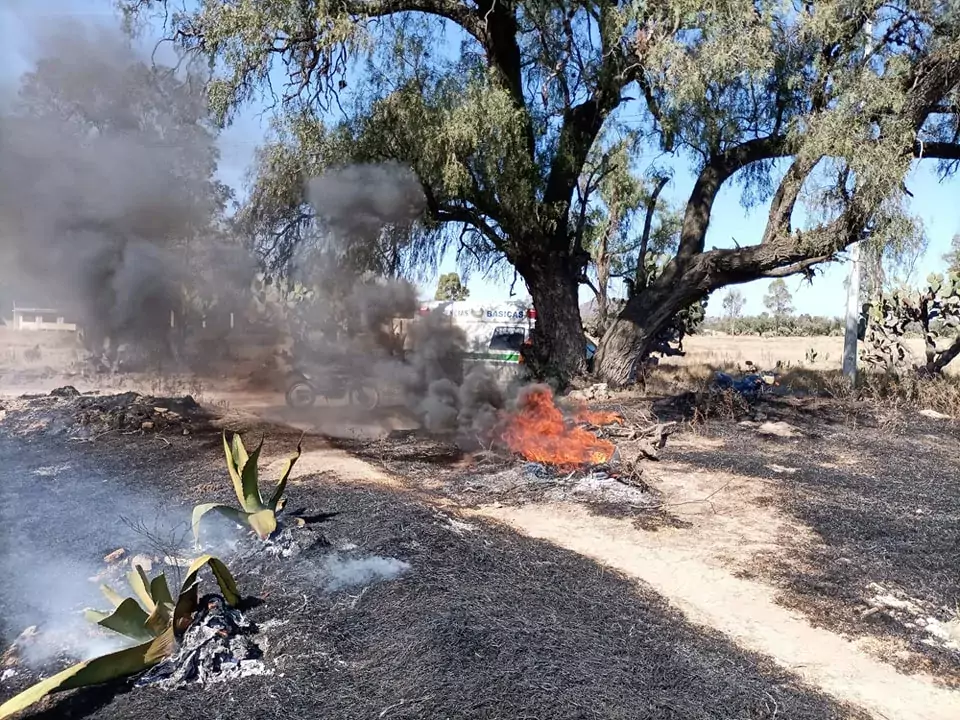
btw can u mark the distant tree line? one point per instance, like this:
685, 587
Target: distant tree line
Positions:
766, 325
777, 320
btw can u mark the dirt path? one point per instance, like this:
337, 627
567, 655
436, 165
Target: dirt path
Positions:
690, 567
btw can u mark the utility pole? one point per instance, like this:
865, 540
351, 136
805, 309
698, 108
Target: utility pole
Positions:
853, 282
853, 316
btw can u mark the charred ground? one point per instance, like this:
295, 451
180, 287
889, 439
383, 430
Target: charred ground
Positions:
486, 623
878, 490
883, 496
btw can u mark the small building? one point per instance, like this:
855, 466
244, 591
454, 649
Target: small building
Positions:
39, 318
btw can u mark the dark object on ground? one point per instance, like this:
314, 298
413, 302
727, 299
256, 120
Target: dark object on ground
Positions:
132, 411
750, 384
65, 391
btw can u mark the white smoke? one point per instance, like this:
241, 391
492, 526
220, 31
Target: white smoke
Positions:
338, 573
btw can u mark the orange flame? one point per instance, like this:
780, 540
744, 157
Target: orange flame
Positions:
538, 431
584, 414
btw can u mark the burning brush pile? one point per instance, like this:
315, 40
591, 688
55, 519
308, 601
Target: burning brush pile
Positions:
570, 453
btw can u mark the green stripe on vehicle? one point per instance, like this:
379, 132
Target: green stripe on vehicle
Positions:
510, 357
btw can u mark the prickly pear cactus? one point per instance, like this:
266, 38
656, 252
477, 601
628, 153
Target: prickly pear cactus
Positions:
933, 312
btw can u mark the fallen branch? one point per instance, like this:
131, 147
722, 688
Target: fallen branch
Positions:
706, 499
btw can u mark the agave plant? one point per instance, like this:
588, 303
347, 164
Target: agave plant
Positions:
153, 623
260, 515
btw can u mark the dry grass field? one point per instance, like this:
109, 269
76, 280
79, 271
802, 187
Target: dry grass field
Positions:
728, 351
808, 365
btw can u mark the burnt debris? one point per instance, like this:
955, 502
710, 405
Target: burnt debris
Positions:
216, 647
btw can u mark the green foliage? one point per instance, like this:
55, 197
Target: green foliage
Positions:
933, 312
952, 258
153, 620
449, 287
778, 300
259, 514
765, 325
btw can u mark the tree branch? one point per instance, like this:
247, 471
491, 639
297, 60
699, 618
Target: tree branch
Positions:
497, 33
719, 168
451, 10
452, 214
785, 198
936, 150
582, 123
641, 276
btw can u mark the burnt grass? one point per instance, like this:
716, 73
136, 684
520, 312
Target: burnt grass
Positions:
883, 494
486, 624
888, 512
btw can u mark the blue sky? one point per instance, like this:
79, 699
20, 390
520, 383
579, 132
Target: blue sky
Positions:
936, 203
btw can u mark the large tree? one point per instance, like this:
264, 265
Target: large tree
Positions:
831, 101
498, 104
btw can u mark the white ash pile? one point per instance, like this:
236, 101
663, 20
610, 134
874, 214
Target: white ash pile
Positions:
937, 627
291, 541
217, 647
615, 482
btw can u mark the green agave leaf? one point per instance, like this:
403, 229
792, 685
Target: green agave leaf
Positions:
112, 596
232, 465
94, 672
186, 606
141, 587
94, 616
249, 482
284, 476
225, 581
159, 619
160, 591
240, 456
129, 619
264, 523
199, 511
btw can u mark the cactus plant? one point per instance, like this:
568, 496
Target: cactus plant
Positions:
934, 312
260, 515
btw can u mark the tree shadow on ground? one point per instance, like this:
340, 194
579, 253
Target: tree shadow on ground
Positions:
885, 503
486, 623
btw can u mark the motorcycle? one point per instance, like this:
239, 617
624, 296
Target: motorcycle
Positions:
305, 386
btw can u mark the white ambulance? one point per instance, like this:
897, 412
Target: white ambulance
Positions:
496, 332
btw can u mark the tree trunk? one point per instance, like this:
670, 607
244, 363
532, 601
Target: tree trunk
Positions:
629, 337
559, 349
